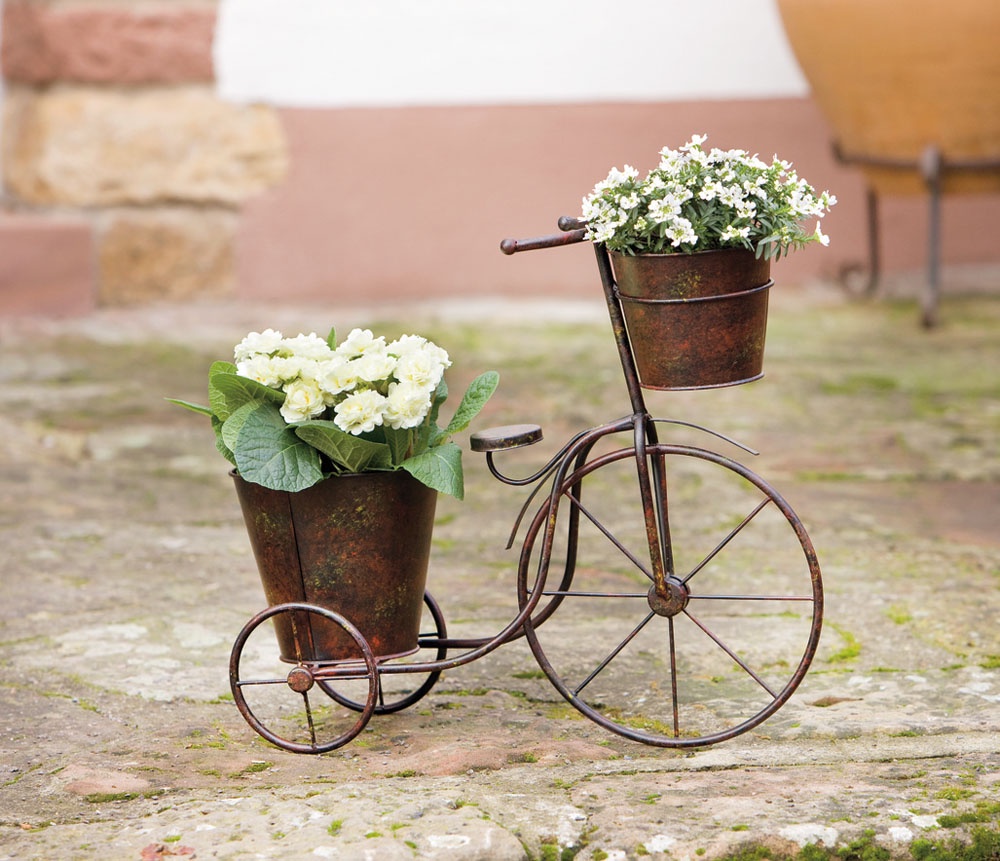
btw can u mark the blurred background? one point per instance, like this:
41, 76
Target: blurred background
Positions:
345, 151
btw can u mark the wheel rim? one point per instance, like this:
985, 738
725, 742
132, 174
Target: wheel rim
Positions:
279, 701
700, 668
394, 699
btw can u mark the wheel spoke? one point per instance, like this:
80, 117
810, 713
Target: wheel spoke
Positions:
309, 718
736, 658
736, 531
673, 676
610, 536
613, 653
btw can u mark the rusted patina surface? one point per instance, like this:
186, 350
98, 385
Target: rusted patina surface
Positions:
355, 544
695, 320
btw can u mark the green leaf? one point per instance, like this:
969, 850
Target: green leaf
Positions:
197, 408
399, 441
331, 338
232, 426
269, 453
439, 468
347, 451
227, 392
220, 444
479, 392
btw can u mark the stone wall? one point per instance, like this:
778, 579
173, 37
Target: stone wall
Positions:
112, 133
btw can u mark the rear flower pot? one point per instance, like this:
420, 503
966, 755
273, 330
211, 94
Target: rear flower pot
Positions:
356, 544
695, 320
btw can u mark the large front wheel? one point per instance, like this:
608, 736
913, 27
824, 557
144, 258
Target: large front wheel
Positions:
717, 652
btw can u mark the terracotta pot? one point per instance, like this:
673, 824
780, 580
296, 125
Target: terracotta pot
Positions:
355, 544
694, 321
895, 77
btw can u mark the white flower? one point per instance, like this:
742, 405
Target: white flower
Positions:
336, 376
360, 412
821, 238
734, 232
373, 366
423, 369
303, 400
358, 342
407, 405
406, 344
307, 347
261, 368
266, 342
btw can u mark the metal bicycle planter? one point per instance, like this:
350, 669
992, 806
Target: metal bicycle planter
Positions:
670, 623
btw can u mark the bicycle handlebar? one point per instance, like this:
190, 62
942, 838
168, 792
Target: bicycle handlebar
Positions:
574, 230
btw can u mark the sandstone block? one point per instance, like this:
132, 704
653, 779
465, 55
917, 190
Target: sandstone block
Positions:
43, 43
82, 146
151, 255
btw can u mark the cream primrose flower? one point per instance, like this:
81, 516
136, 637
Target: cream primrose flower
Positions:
358, 342
374, 365
303, 400
336, 376
261, 368
267, 343
360, 412
407, 405
423, 369
309, 346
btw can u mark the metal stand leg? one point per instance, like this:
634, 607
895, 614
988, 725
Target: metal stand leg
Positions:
874, 262
930, 169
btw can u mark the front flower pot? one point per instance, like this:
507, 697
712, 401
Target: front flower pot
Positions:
357, 544
695, 320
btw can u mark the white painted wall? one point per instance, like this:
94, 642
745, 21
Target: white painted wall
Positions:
361, 53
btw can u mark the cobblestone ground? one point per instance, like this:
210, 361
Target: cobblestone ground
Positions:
127, 575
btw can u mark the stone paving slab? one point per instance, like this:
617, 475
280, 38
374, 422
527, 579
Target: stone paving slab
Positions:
127, 574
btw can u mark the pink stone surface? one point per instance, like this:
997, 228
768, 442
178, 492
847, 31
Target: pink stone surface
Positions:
46, 267
106, 44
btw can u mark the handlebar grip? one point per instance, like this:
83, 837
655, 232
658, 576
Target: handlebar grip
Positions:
512, 246
571, 222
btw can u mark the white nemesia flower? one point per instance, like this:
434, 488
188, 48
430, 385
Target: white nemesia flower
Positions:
407, 405
360, 412
303, 400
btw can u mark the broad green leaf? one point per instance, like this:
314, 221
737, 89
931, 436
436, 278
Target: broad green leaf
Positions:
479, 392
216, 399
228, 392
439, 468
347, 451
232, 426
223, 449
197, 408
269, 453
399, 441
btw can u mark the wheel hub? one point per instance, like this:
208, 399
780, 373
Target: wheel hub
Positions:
300, 679
673, 600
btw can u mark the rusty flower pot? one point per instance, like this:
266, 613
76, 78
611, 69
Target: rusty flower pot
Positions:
354, 544
697, 320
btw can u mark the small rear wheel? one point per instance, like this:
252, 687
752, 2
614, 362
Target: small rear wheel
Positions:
400, 690
728, 641
278, 696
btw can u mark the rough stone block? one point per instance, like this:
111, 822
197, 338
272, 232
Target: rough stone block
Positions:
82, 146
46, 266
146, 256
43, 43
